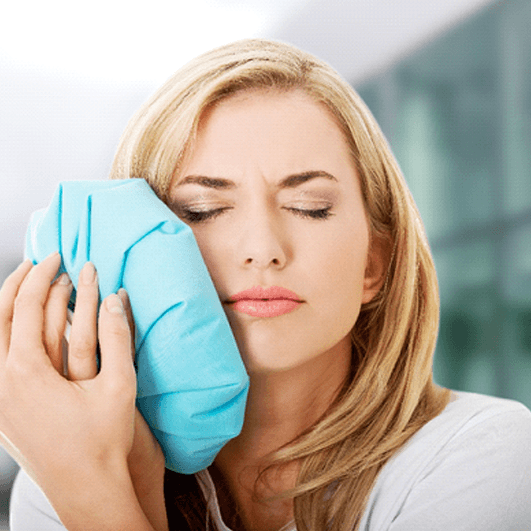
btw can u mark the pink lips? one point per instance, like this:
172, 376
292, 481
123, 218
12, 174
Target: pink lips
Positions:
265, 302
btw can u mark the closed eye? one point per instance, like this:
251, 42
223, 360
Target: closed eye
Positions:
318, 213
197, 216
192, 215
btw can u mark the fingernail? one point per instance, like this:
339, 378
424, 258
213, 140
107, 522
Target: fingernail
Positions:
124, 296
53, 255
64, 280
114, 304
88, 274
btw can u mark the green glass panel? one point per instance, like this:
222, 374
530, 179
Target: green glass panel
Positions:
465, 353
517, 318
369, 92
516, 105
447, 125
457, 113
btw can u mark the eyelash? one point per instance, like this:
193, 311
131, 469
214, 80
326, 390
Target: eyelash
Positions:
319, 213
199, 216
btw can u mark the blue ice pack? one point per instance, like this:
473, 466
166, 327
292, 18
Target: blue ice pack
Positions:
192, 384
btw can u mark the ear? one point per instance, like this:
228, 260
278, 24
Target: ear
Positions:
378, 260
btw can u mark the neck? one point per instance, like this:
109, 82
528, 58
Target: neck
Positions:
282, 405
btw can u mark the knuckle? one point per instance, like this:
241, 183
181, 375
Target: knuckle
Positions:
83, 334
58, 294
82, 347
23, 301
116, 333
119, 328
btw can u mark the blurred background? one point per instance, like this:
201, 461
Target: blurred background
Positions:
449, 83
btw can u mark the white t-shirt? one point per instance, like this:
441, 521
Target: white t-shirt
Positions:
469, 469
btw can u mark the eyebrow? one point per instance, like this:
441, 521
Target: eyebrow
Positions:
207, 182
291, 181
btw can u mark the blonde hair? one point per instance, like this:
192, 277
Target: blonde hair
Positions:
391, 394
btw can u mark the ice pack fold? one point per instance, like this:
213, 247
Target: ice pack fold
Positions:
191, 381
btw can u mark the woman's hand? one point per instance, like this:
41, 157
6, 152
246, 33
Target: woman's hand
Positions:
73, 436
145, 460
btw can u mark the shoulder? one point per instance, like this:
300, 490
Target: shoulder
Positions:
30, 509
467, 469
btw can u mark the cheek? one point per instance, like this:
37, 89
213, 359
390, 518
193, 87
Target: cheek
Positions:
342, 262
210, 253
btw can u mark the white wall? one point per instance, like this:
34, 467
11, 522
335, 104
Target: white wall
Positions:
361, 37
52, 128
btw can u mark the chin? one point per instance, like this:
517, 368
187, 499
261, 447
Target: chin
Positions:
275, 360
269, 358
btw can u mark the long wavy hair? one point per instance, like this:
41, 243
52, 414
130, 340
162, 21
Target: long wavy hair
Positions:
391, 393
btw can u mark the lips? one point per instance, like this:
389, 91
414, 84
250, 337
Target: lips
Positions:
265, 302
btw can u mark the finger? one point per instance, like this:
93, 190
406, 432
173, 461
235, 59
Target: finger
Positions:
82, 364
124, 297
115, 343
55, 320
28, 315
8, 295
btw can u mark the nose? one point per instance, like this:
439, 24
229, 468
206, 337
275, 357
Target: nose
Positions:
263, 243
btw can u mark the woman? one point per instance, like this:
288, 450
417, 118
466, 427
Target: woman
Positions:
319, 258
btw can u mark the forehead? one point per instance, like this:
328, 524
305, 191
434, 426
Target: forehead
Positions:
269, 127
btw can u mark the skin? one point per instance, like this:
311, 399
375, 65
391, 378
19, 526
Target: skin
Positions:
253, 230
88, 430
81, 430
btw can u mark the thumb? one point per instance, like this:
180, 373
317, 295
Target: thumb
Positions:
115, 341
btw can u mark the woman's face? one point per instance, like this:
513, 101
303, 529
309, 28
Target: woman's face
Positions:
272, 196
